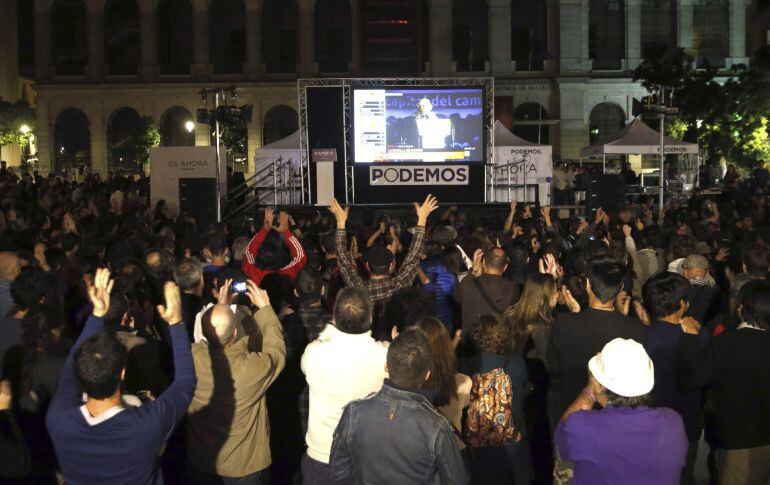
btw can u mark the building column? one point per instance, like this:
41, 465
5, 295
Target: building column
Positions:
254, 67
573, 40
9, 51
501, 63
98, 131
440, 31
149, 70
354, 66
43, 61
201, 68
684, 26
306, 65
44, 136
573, 124
737, 34
95, 71
633, 34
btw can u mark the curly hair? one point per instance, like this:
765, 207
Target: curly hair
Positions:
491, 335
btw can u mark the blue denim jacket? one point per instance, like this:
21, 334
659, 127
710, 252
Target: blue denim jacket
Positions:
396, 437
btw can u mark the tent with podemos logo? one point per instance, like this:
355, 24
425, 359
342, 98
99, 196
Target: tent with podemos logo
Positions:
639, 139
518, 162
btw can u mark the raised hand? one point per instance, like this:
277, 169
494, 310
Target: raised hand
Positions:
423, 210
224, 293
623, 303
690, 325
722, 255
513, 206
569, 300
171, 312
283, 222
340, 213
599, 217
517, 231
99, 292
582, 227
269, 216
258, 296
69, 223
477, 257
641, 312
627, 230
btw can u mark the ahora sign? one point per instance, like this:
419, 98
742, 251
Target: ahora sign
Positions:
419, 175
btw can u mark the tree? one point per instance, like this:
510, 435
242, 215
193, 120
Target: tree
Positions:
14, 116
147, 137
727, 118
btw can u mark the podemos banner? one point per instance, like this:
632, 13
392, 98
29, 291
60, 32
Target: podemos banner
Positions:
419, 175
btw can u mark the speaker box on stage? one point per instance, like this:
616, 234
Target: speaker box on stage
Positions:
607, 192
198, 198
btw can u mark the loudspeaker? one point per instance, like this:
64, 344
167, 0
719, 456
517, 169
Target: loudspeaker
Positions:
607, 192
198, 198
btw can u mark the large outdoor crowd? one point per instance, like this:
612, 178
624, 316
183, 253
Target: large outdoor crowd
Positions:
434, 345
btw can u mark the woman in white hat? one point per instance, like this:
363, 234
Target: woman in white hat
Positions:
625, 440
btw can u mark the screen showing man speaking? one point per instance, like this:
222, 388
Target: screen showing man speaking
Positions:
427, 125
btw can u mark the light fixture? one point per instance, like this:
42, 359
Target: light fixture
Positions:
189, 126
24, 129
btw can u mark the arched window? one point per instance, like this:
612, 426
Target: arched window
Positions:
175, 36
174, 128
605, 120
470, 34
280, 122
227, 36
123, 129
606, 34
72, 140
121, 37
529, 34
69, 42
530, 122
332, 35
280, 27
659, 19
711, 32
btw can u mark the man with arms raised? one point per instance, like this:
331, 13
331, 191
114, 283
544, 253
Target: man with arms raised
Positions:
105, 440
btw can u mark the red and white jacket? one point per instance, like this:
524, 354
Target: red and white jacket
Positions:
298, 257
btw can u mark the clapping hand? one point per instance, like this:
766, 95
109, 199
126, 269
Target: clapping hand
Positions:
269, 216
477, 258
99, 292
223, 298
283, 222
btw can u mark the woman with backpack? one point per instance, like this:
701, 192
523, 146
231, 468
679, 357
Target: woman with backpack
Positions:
494, 426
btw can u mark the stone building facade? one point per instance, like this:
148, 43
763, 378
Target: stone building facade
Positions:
561, 67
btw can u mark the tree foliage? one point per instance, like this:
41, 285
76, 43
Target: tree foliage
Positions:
147, 137
12, 117
732, 112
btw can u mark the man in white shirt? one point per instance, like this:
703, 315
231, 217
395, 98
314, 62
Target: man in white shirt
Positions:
343, 364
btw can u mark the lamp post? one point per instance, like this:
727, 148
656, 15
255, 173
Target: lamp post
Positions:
189, 126
661, 101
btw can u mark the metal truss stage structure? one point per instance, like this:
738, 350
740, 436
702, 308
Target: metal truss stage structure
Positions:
348, 85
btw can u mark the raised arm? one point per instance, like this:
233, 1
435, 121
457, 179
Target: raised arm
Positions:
250, 255
69, 392
347, 264
298, 256
267, 363
698, 366
408, 269
170, 407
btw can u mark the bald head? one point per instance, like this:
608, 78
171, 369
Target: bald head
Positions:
219, 324
10, 266
495, 261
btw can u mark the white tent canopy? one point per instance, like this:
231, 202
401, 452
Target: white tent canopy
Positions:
520, 162
285, 149
639, 139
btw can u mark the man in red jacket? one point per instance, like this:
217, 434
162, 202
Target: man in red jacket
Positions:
265, 253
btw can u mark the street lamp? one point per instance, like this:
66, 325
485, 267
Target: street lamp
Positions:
24, 129
189, 126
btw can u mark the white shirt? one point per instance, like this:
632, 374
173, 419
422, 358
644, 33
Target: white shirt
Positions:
339, 368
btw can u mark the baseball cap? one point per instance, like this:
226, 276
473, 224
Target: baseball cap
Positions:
695, 261
624, 368
378, 256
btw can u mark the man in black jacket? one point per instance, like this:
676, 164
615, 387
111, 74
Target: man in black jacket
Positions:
576, 337
736, 365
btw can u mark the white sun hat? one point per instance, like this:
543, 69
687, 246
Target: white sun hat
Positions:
624, 368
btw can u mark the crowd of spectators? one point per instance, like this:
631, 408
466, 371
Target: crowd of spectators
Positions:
433, 345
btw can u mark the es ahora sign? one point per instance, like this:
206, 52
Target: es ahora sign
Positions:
419, 175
